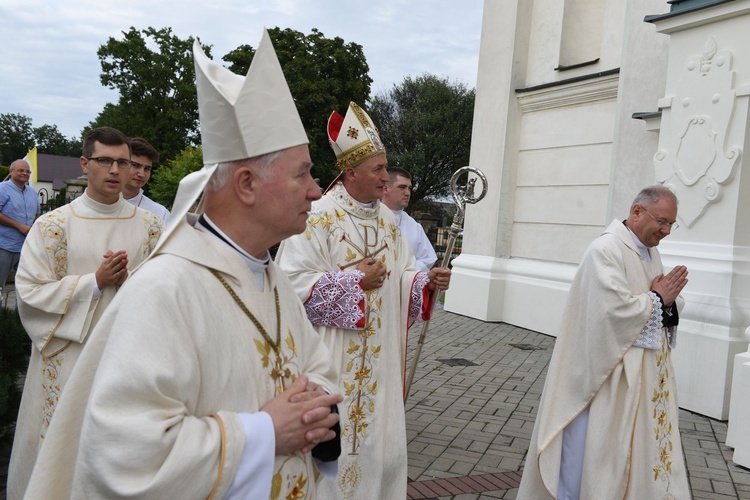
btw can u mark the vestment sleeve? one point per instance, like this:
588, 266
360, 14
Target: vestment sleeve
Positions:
332, 296
424, 253
53, 305
255, 471
337, 300
142, 405
650, 337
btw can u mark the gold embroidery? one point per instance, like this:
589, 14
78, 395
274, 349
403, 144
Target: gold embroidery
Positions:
52, 389
349, 478
55, 241
663, 428
278, 372
298, 490
276, 485
154, 228
350, 256
353, 133
291, 485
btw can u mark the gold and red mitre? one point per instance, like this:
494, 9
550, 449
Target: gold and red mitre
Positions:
353, 138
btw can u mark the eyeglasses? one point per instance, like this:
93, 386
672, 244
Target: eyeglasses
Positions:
106, 161
22, 171
662, 223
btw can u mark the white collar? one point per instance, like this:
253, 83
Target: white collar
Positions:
257, 266
642, 249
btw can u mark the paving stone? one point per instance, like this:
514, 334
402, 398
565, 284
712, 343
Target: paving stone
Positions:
478, 419
724, 488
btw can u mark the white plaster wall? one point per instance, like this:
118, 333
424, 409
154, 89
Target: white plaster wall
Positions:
643, 73
553, 187
545, 38
713, 240
548, 155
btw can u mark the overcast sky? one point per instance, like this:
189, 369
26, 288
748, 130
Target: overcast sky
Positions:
49, 70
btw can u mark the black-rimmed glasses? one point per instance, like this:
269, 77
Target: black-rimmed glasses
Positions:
106, 161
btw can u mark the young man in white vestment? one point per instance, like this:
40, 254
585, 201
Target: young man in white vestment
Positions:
205, 379
144, 155
396, 196
72, 263
361, 289
607, 425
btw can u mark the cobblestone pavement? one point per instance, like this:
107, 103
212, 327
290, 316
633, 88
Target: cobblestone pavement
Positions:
472, 407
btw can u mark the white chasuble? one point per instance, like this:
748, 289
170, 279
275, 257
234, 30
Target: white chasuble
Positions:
168, 376
55, 285
633, 447
365, 331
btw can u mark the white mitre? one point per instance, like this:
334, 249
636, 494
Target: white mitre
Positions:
240, 117
354, 137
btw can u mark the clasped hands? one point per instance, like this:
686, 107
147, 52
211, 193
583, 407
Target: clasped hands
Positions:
375, 274
302, 416
670, 285
113, 270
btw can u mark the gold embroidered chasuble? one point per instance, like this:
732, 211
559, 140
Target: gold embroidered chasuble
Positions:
370, 359
633, 447
172, 364
55, 287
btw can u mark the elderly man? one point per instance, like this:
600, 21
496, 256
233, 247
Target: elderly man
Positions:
361, 288
396, 196
207, 380
144, 155
607, 420
19, 207
73, 262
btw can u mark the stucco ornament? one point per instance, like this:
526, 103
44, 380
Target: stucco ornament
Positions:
694, 159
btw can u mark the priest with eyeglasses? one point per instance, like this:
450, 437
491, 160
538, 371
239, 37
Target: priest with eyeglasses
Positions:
72, 263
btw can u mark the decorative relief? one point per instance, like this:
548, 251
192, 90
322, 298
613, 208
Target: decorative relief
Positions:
694, 159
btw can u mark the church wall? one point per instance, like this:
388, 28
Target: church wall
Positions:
560, 149
702, 156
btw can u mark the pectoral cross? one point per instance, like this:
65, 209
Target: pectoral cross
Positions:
278, 373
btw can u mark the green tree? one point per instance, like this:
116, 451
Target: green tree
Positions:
158, 100
323, 75
50, 140
167, 177
16, 137
425, 124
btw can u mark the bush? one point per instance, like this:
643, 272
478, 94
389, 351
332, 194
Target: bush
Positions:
166, 179
14, 359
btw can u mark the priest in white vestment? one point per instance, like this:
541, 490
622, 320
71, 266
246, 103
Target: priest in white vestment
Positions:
607, 424
144, 155
205, 379
396, 196
358, 280
72, 263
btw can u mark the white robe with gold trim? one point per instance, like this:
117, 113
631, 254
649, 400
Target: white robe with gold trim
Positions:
55, 287
369, 360
633, 447
168, 371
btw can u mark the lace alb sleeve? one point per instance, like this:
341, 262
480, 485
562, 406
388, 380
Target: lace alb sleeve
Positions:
651, 336
418, 296
335, 300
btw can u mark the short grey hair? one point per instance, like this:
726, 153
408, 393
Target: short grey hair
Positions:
652, 194
13, 165
261, 165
